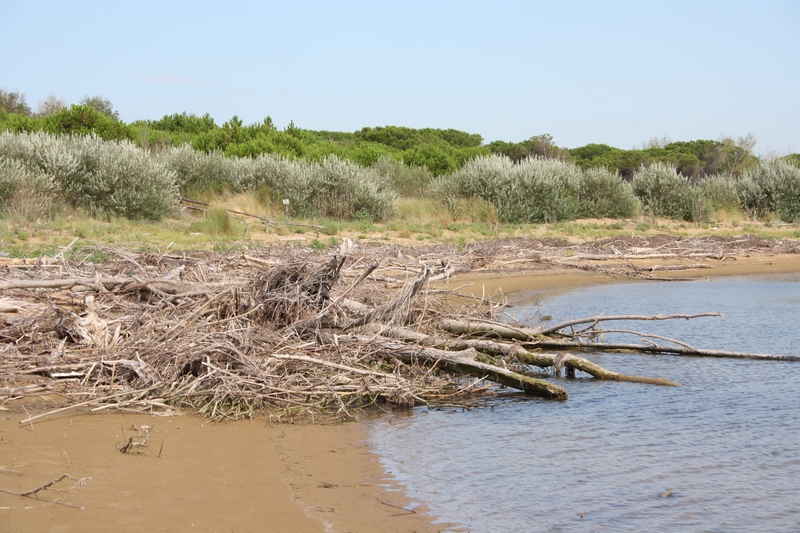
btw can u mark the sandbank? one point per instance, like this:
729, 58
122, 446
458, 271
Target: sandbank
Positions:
249, 475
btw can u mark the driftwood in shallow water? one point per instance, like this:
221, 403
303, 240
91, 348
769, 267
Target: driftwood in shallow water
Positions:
463, 362
595, 320
288, 330
555, 344
594, 335
513, 351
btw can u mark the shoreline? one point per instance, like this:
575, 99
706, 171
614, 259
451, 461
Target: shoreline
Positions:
249, 474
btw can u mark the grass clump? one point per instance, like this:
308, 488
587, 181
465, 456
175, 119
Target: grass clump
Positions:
218, 222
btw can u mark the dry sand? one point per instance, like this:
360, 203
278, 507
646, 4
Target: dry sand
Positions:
244, 476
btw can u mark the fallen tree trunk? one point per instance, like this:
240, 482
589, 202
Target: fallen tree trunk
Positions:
670, 350
463, 363
515, 351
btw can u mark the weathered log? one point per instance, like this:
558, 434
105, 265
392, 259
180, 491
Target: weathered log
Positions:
670, 350
601, 318
66, 283
463, 363
539, 359
488, 327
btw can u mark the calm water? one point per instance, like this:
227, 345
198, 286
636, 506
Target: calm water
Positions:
726, 443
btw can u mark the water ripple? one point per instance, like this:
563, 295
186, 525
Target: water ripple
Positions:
720, 453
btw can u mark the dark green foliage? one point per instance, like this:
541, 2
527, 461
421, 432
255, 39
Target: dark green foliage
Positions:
83, 120
183, 123
602, 155
18, 122
402, 138
536, 146
693, 159
436, 159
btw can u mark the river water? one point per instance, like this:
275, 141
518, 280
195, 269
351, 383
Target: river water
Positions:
719, 453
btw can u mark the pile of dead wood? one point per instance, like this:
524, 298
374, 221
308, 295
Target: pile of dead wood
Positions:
286, 330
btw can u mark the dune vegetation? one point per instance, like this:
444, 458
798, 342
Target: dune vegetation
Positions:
81, 171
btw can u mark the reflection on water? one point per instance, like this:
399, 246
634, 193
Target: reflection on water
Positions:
720, 453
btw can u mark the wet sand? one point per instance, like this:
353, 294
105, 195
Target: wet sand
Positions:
194, 475
243, 476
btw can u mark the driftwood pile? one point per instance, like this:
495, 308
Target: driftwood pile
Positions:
287, 330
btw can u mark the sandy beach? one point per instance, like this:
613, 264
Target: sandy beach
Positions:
249, 475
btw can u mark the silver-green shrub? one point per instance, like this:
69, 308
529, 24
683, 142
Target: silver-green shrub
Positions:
107, 177
721, 192
344, 190
287, 179
26, 193
118, 178
604, 194
198, 172
335, 188
772, 187
481, 177
536, 189
407, 180
665, 192
541, 190
54, 155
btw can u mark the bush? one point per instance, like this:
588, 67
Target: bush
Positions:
407, 180
344, 190
120, 179
482, 177
534, 190
85, 120
667, 193
541, 190
335, 188
721, 192
26, 193
772, 187
604, 194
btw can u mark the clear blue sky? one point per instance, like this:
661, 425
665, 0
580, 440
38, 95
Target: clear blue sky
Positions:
614, 72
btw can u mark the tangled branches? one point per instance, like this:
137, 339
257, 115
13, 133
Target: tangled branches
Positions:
288, 331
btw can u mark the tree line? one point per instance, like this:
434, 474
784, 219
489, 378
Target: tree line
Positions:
440, 151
